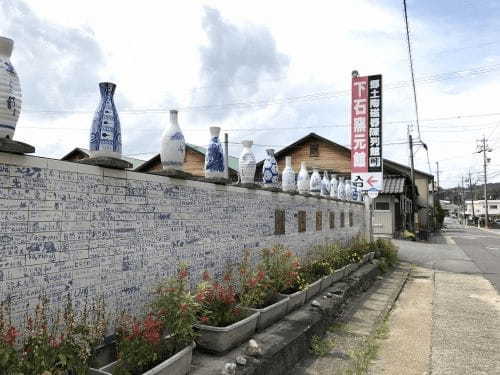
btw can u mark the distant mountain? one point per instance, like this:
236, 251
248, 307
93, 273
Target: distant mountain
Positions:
454, 195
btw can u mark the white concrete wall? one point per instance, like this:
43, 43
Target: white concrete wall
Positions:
68, 228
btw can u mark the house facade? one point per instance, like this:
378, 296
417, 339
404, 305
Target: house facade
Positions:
392, 208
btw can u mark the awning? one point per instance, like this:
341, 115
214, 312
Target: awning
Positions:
394, 185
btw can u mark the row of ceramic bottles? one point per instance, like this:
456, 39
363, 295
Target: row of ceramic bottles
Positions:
303, 183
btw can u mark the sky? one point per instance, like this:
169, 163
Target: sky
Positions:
260, 70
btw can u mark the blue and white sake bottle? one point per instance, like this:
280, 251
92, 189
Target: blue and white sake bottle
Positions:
10, 91
214, 157
348, 190
270, 170
106, 135
315, 183
325, 185
173, 145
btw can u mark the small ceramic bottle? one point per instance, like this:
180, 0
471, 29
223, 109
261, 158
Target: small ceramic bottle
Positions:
315, 184
340, 189
288, 176
173, 145
333, 186
325, 185
10, 91
348, 190
270, 170
214, 157
247, 163
106, 135
303, 179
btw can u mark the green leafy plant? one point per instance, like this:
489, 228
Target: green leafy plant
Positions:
388, 250
9, 356
321, 347
177, 308
255, 286
141, 344
218, 301
64, 344
281, 267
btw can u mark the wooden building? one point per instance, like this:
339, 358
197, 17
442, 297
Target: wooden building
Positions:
79, 153
194, 163
392, 208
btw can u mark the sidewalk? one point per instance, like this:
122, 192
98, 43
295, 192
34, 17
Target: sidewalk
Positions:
443, 322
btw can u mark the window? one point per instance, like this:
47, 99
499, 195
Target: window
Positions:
494, 207
319, 221
279, 222
383, 206
302, 221
342, 220
351, 221
314, 149
332, 220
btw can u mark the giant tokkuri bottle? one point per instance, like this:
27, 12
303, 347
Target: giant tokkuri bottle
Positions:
106, 135
10, 91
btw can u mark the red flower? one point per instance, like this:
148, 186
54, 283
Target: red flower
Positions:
200, 297
206, 276
10, 336
183, 273
260, 276
204, 319
227, 277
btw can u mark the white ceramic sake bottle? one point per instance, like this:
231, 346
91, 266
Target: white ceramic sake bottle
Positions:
173, 145
247, 163
10, 91
333, 186
325, 185
315, 184
288, 176
348, 190
340, 189
303, 179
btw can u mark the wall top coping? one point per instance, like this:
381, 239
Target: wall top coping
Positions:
29, 161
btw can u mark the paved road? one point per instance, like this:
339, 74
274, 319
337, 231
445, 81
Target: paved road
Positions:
462, 250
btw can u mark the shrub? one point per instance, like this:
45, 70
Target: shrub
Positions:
255, 286
64, 345
281, 268
388, 250
177, 308
218, 302
9, 357
141, 344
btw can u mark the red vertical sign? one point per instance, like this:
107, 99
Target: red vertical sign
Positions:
359, 125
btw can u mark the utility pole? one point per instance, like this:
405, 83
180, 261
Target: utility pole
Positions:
412, 221
483, 148
472, 198
437, 172
463, 198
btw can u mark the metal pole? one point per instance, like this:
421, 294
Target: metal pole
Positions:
472, 198
226, 152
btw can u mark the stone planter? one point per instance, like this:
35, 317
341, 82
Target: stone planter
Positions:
296, 300
337, 275
326, 281
313, 289
222, 339
272, 313
178, 364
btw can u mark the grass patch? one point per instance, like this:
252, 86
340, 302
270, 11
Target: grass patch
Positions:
321, 347
338, 328
363, 356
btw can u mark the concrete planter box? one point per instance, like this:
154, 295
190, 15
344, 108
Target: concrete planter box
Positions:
326, 281
178, 364
337, 275
222, 339
272, 313
313, 289
296, 300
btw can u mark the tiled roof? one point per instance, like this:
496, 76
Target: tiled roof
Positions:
394, 185
134, 161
